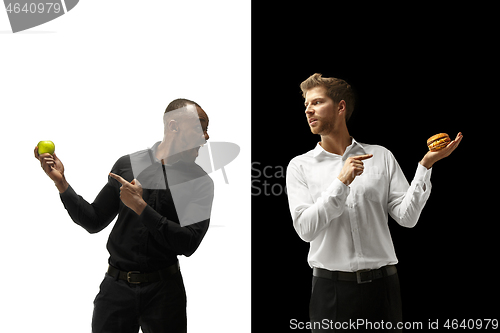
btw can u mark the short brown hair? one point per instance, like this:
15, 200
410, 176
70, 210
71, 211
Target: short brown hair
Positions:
336, 89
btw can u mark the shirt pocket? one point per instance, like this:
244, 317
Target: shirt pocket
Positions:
375, 187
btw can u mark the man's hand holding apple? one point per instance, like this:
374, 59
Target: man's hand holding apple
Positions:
54, 168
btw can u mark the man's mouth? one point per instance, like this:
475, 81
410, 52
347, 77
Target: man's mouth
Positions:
313, 121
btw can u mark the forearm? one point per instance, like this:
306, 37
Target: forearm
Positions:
310, 218
92, 217
406, 207
183, 240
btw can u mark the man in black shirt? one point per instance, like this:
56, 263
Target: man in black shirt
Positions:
163, 201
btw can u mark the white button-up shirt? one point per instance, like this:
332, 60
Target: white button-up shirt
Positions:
347, 226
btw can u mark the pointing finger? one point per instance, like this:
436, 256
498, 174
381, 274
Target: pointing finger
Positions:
363, 157
118, 178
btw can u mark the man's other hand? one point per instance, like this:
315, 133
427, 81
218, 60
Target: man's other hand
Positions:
353, 167
131, 194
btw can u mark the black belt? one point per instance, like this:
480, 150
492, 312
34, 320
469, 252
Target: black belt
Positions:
138, 277
362, 276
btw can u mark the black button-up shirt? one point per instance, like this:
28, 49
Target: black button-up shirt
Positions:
150, 241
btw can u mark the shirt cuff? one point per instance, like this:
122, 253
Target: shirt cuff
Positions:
423, 174
338, 189
68, 194
150, 218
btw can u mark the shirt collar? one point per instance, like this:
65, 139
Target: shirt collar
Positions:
152, 156
152, 153
318, 150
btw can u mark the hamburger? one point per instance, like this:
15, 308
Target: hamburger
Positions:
438, 141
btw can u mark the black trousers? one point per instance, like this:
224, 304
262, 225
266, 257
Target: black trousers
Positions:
346, 305
121, 307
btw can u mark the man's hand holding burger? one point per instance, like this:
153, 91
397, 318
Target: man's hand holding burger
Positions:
439, 148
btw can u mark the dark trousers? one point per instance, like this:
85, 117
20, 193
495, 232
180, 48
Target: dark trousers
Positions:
121, 307
347, 305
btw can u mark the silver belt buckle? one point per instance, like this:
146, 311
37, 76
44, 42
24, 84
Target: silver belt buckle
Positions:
358, 276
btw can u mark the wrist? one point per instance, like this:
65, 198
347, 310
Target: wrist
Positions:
62, 185
141, 205
344, 180
426, 162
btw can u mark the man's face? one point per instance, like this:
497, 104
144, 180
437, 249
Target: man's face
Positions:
320, 111
193, 134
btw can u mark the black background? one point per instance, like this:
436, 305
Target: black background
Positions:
416, 72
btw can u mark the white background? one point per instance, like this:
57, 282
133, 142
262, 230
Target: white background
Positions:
96, 81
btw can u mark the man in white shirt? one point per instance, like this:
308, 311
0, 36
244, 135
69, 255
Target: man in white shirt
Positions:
340, 194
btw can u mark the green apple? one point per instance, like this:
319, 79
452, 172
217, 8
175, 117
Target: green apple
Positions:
46, 147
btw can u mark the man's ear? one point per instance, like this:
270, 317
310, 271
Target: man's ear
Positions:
341, 107
173, 126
